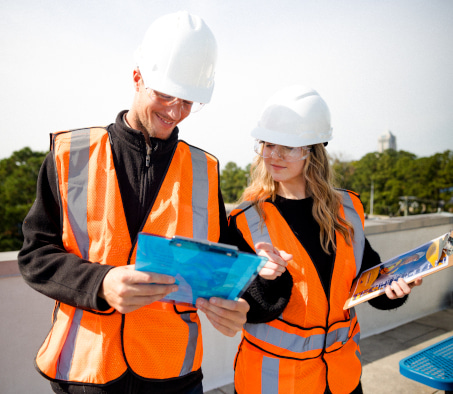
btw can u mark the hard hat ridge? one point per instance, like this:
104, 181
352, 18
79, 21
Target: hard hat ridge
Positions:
294, 116
178, 57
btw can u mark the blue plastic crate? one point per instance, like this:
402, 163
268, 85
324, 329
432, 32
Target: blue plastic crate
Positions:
432, 366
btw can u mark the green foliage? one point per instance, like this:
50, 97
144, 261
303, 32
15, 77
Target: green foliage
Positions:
425, 183
402, 183
399, 178
344, 173
18, 175
233, 181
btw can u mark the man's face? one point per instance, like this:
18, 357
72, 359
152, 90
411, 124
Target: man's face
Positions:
152, 113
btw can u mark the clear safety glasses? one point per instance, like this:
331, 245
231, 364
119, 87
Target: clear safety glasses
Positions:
286, 153
168, 101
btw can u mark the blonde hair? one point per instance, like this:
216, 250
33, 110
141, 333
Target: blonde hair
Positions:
319, 185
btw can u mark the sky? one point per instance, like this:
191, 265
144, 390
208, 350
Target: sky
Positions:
379, 64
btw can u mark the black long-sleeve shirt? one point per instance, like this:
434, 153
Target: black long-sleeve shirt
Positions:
298, 214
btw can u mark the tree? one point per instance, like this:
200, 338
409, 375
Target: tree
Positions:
344, 172
445, 178
233, 181
18, 176
399, 177
435, 179
365, 174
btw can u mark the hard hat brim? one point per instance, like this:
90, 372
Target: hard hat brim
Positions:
286, 139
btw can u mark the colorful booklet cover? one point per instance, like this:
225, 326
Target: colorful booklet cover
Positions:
419, 262
201, 268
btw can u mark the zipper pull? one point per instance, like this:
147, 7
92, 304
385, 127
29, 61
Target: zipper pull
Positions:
148, 155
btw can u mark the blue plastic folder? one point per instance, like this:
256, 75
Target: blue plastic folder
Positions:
201, 268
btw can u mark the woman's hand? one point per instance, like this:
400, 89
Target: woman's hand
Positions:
399, 289
278, 260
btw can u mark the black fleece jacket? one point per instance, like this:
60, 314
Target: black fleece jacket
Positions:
48, 268
43, 261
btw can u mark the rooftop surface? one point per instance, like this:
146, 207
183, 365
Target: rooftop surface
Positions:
382, 353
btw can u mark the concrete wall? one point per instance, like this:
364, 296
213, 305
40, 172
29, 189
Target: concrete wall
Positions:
26, 314
391, 237
26, 320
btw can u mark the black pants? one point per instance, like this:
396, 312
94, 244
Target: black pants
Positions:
128, 384
357, 390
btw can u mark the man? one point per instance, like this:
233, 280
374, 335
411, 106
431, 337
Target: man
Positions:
96, 190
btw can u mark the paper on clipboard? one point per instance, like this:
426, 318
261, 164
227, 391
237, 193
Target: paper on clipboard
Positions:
201, 268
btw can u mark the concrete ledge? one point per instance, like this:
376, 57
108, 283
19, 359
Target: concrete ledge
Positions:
386, 225
9, 268
27, 314
8, 264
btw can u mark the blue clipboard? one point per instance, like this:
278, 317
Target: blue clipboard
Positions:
201, 268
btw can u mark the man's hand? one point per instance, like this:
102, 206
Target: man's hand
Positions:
399, 289
226, 316
278, 260
126, 289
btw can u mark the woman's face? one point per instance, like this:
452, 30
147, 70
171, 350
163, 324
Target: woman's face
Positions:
286, 166
289, 172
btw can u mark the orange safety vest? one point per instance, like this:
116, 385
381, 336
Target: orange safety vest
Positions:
158, 341
314, 341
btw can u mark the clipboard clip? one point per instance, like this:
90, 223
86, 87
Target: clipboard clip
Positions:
204, 246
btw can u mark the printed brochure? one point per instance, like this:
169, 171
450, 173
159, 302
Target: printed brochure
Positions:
425, 260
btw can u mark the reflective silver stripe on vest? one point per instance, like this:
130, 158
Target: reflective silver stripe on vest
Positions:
78, 188
200, 193
352, 313
284, 340
296, 343
338, 335
341, 334
359, 235
259, 233
191, 345
64, 362
77, 214
280, 338
356, 338
269, 375
200, 197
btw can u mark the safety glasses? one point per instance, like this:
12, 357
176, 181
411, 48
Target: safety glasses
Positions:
169, 101
286, 153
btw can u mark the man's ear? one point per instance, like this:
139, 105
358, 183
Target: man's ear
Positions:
137, 78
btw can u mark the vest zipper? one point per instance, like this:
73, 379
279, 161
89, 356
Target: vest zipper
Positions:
148, 162
148, 155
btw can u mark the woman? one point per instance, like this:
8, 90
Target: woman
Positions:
313, 346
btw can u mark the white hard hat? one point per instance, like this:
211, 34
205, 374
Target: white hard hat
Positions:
294, 116
178, 57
